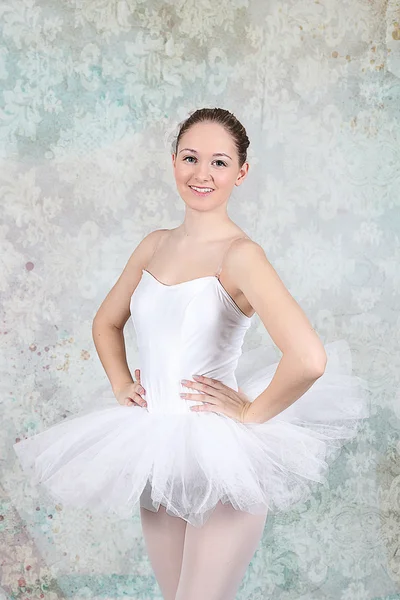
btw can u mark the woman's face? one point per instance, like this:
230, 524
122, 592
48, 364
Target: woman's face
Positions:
197, 164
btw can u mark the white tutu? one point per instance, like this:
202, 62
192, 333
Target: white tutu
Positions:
110, 458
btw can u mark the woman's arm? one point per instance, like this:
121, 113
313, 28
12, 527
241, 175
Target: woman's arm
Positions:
114, 311
303, 355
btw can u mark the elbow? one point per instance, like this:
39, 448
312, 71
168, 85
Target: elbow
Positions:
94, 329
316, 365
98, 326
94, 323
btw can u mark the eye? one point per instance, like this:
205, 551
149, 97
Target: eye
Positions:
217, 160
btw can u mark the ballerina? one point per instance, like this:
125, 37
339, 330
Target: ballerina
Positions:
205, 451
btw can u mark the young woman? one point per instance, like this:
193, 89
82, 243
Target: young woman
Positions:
206, 453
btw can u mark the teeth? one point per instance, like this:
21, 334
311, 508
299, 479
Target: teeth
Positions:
203, 190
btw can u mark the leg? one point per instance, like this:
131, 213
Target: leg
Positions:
164, 537
216, 556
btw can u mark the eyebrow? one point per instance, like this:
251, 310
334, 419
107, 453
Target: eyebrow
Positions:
195, 152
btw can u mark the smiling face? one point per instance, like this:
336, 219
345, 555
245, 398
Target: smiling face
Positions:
207, 158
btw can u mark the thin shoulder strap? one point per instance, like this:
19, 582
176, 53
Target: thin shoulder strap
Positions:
160, 237
226, 252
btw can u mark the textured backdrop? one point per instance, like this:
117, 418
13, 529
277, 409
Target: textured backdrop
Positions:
91, 93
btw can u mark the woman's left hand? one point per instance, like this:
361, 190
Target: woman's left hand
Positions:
217, 397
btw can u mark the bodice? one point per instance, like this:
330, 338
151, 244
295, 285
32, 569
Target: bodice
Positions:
189, 328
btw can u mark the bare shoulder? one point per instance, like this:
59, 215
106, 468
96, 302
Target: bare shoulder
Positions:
282, 316
247, 253
145, 249
115, 308
251, 271
151, 239
246, 262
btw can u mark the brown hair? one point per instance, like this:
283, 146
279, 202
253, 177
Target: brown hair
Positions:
224, 118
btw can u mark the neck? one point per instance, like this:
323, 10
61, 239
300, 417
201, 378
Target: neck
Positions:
205, 229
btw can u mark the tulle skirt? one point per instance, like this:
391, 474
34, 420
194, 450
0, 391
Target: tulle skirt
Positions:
110, 458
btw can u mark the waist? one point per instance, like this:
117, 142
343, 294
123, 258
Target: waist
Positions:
163, 393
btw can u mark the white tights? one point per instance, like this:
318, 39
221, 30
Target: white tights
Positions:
198, 563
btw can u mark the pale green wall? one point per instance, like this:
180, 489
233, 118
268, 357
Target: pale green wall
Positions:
91, 92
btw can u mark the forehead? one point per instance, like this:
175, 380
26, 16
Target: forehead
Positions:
207, 137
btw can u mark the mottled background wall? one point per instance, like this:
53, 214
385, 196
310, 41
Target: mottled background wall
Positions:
91, 91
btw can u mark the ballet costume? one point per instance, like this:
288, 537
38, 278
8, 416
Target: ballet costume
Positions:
112, 457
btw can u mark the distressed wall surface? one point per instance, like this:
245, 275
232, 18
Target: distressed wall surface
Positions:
91, 93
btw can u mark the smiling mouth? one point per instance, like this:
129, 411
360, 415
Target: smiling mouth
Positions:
198, 192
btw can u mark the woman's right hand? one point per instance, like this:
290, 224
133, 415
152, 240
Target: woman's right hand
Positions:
130, 393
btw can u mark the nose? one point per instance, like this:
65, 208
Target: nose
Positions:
202, 172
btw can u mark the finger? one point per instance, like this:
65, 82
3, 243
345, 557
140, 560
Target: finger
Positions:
206, 407
139, 400
197, 386
207, 389
204, 398
136, 399
129, 402
202, 408
219, 391
138, 388
214, 383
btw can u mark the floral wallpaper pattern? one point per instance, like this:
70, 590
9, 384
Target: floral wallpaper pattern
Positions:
91, 93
